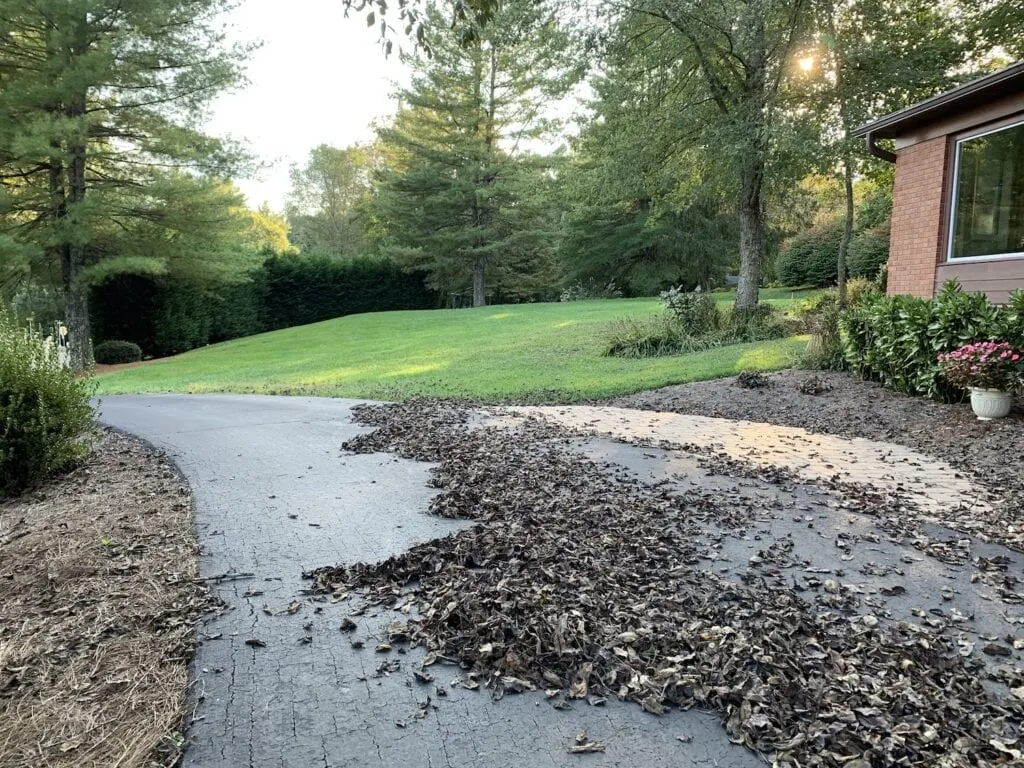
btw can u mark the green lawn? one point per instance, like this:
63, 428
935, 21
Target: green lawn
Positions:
508, 352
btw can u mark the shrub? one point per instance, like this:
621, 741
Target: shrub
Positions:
810, 258
820, 318
308, 289
897, 339
860, 288
665, 335
114, 352
1011, 320
869, 252
656, 336
585, 290
763, 324
44, 409
696, 313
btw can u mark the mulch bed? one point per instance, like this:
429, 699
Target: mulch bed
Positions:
98, 605
585, 583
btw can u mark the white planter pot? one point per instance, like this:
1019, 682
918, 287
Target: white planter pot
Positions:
990, 404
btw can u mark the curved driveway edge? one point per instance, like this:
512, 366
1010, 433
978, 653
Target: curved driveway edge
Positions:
274, 496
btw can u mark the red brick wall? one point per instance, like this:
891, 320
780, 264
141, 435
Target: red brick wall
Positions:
918, 208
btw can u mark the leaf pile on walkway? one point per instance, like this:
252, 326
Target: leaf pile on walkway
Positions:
989, 453
98, 604
586, 585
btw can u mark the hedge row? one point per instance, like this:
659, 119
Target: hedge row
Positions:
897, 339
811, 258
166, 316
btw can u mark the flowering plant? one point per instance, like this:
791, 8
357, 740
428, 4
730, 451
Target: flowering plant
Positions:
985, 364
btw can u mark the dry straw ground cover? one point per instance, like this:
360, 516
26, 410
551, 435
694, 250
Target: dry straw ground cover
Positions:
98, 601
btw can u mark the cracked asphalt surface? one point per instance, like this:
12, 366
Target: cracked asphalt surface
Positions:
274, 496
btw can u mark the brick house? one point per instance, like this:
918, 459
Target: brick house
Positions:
958, 200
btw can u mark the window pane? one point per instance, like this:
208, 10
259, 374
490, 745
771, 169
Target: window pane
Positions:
989, 215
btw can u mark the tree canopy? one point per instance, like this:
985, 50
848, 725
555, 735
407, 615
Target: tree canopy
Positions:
101, 165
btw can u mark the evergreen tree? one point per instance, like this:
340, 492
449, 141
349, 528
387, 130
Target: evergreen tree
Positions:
97, 107
460, 197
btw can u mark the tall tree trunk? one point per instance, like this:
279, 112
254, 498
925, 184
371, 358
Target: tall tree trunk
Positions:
753, 166
72, 249
844, 243
479, 267
76, 294
751, 235
839, 66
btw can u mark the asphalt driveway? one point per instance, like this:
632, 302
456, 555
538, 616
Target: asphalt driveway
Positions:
276, 682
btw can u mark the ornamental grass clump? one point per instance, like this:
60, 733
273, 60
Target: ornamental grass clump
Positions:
985, 365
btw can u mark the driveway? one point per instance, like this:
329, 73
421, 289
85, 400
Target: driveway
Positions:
276, 682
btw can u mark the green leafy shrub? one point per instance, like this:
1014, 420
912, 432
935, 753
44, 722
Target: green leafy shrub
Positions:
897, 339
696, 313
44, 409
860, 288
114, 352
811, 257
307, 289
869, 252
1011, 320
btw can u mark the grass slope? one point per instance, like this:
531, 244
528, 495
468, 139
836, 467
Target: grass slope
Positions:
510, 352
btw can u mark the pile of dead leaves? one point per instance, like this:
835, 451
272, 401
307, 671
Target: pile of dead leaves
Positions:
98, 603
586, 585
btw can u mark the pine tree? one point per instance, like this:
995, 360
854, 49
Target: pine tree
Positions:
97, 105
460, 198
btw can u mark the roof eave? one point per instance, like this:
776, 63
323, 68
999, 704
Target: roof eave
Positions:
929, 110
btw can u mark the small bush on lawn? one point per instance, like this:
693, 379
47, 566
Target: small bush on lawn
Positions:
897, 339
656, 336
44, 409
586, 290
696, 313
116, 352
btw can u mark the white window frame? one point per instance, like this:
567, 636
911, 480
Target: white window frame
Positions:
950, 258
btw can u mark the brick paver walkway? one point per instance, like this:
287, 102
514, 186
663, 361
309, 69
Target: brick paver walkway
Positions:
933, 485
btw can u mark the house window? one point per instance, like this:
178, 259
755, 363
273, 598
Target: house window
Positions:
988, 189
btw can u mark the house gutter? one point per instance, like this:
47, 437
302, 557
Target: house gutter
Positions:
871, 139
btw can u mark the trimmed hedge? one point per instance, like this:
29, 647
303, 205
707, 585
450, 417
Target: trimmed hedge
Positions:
44, 409
308, 289
114, 352
166, 315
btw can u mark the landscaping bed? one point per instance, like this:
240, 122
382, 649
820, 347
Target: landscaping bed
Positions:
98, 604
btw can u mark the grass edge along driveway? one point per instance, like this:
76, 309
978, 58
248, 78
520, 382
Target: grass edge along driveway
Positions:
532, 352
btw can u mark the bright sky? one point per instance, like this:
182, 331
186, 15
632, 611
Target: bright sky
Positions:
318, 79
